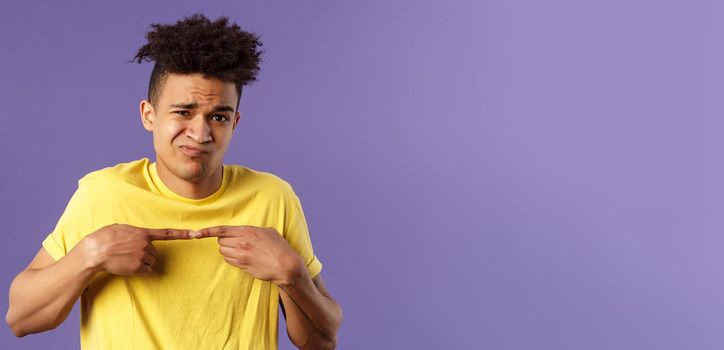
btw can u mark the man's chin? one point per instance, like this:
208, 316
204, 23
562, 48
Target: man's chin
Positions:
192, 171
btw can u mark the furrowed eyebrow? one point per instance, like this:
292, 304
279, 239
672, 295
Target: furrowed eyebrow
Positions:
224, 108
192, 105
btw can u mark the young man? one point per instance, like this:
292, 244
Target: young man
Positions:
184, 252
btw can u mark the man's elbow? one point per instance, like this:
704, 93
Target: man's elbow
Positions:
21, 329
320, 343
19, 333
330, 344
14, 326
327, 342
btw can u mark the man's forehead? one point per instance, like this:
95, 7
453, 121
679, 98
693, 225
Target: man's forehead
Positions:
195, 89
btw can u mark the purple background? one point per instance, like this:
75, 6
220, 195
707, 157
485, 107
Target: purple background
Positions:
484, 174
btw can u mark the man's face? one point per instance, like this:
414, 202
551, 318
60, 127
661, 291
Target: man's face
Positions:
192, 123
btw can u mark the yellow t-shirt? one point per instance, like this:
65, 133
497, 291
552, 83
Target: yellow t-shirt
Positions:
194, 300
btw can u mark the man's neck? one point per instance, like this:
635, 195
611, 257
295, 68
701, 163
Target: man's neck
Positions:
188, 189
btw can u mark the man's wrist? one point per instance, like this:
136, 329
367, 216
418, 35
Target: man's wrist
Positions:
294, 272
88, 253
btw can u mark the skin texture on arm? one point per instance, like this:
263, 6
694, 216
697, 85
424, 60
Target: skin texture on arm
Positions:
42, 295
300, 328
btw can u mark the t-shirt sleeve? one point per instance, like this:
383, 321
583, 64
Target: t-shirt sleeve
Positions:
296, 233
73, 225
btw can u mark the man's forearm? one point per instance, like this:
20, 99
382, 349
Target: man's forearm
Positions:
313, 318
41, 299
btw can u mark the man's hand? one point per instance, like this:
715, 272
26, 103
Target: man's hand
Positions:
126, 250
260, 251
313, 317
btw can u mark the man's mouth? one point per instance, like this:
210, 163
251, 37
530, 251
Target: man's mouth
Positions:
191, 151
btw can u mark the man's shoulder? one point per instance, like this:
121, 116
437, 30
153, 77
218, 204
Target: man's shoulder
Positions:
246, 176
133, 171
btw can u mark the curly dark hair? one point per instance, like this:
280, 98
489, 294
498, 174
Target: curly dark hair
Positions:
197, 45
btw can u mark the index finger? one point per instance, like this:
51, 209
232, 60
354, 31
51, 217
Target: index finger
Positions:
154, 234
217, 231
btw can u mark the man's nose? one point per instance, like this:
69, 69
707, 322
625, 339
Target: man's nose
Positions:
198, 129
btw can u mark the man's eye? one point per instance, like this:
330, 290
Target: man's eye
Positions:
220, 118
183, 113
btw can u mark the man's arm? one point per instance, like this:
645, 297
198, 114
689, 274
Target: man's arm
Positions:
42, 295
312, 316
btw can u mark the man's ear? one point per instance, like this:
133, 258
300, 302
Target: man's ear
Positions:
236, 121
148, 115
